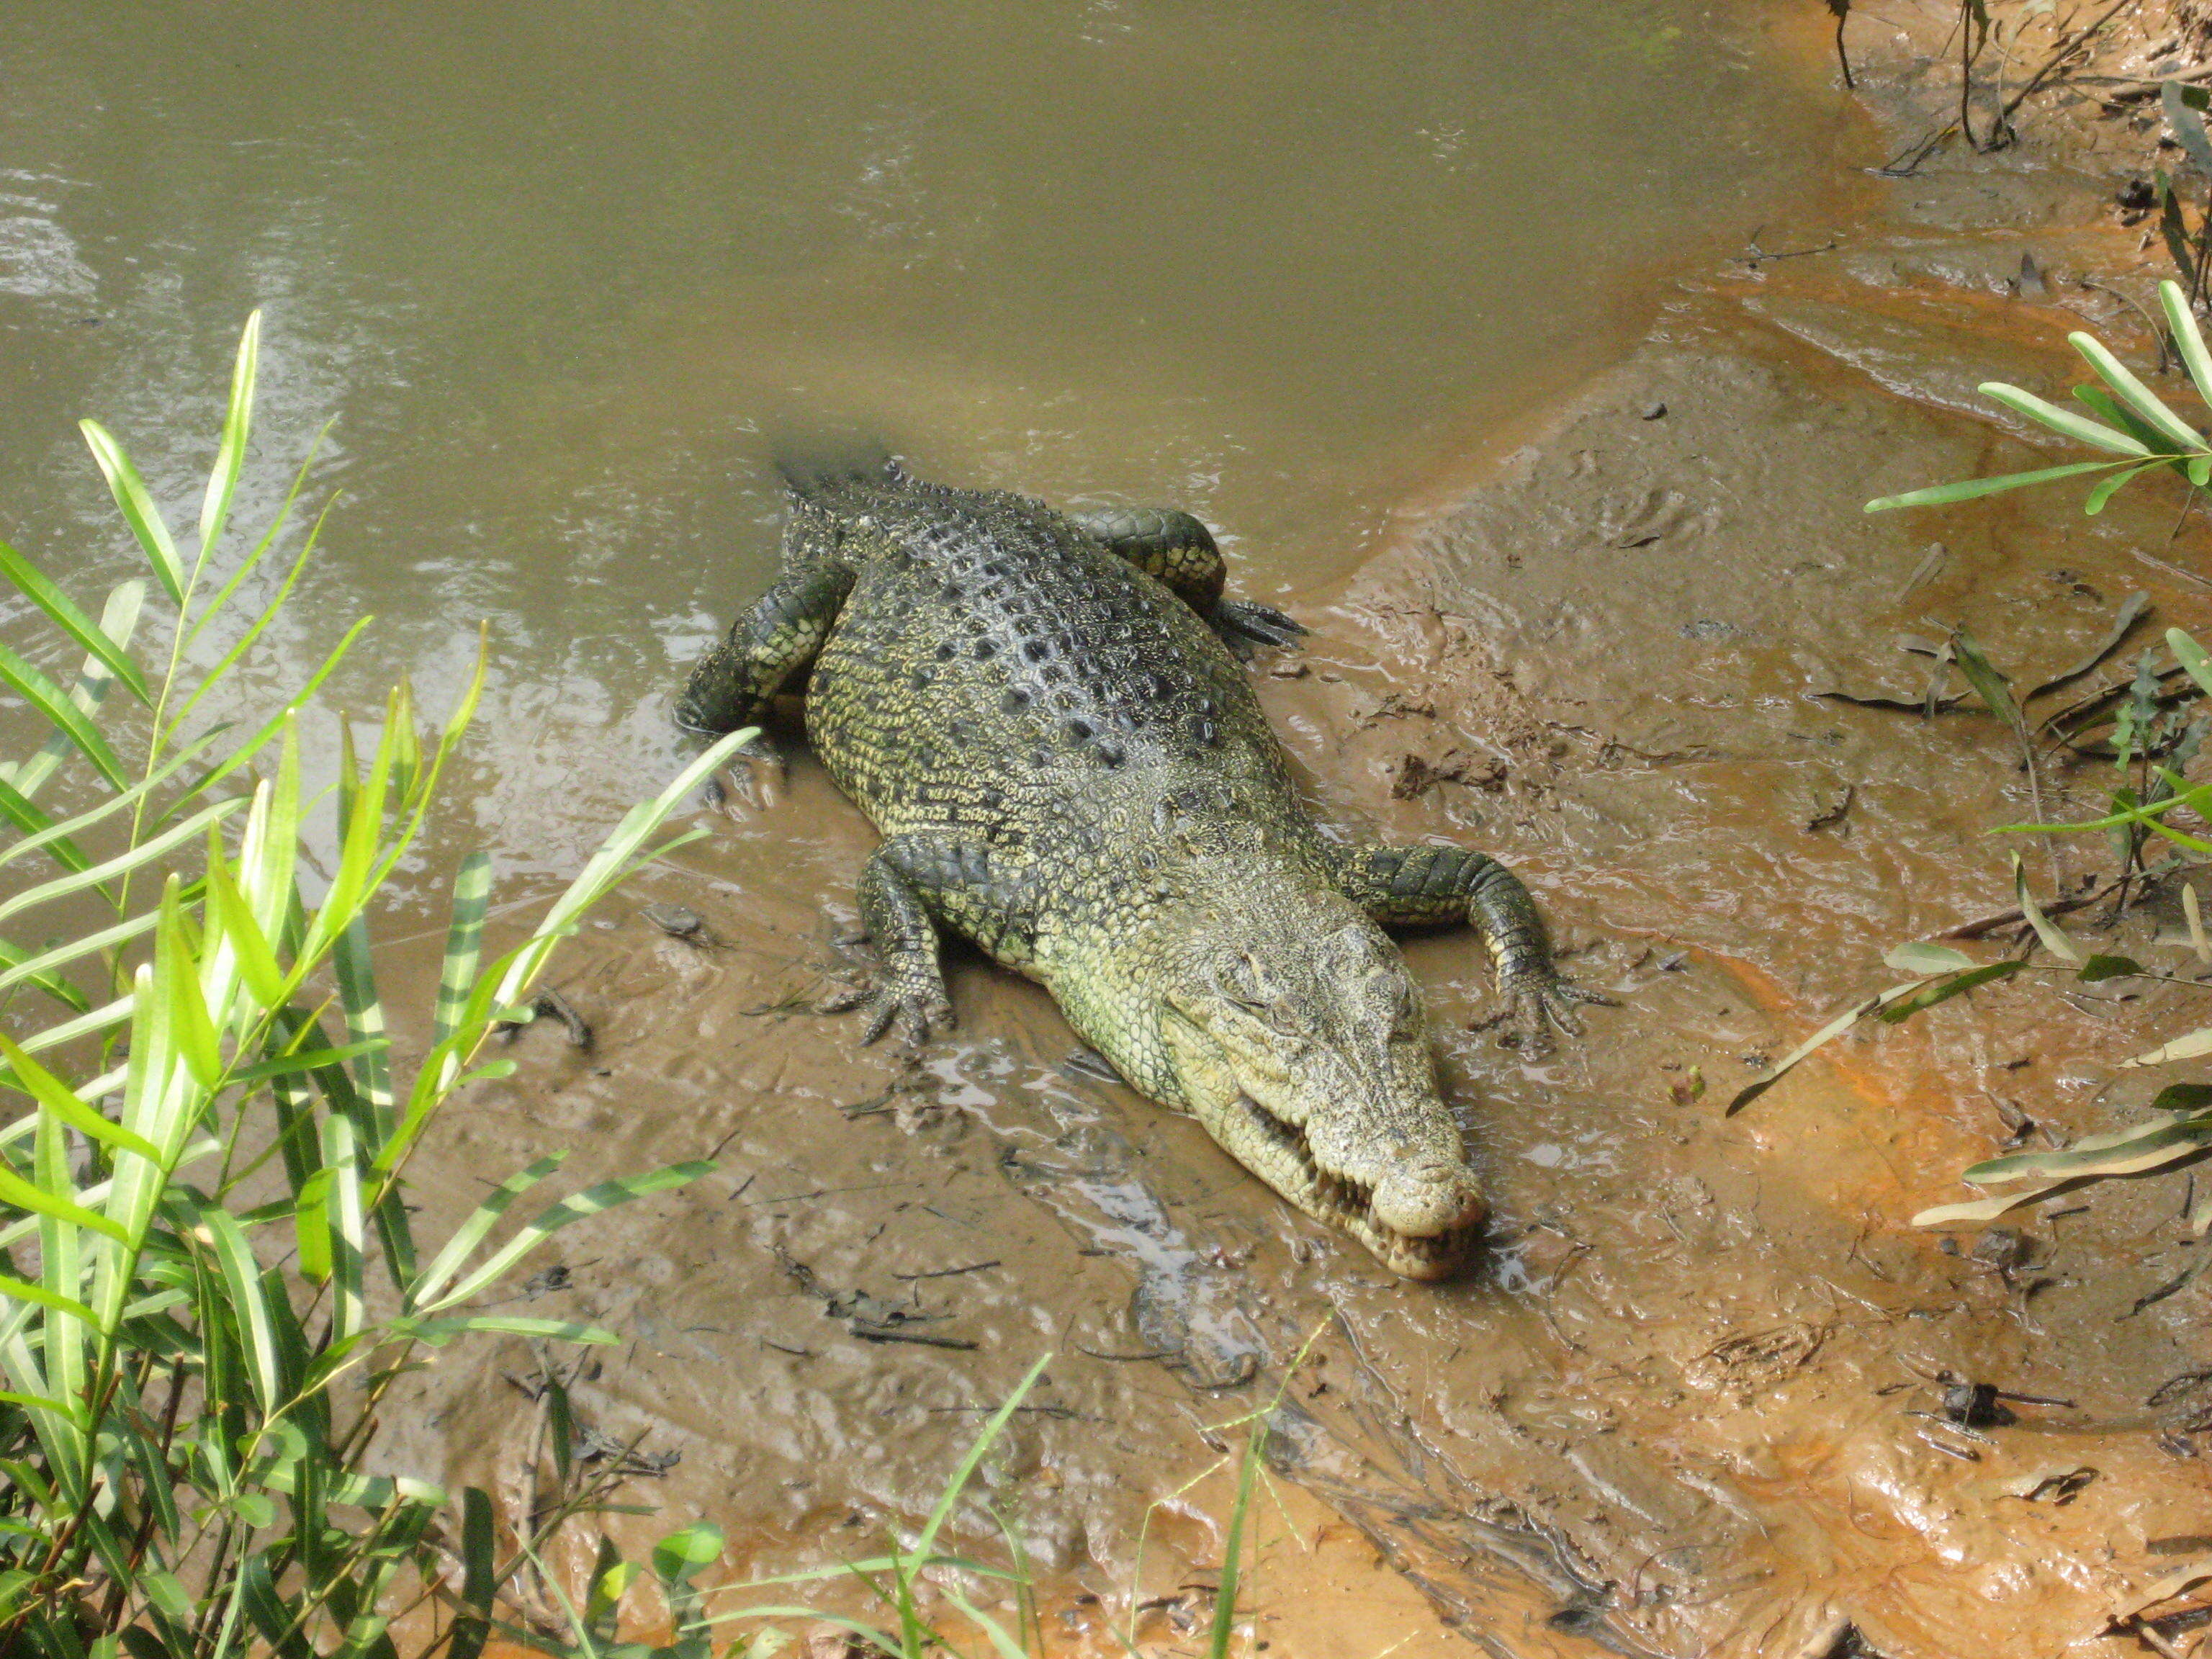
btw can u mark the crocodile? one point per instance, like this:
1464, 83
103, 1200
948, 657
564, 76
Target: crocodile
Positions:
1046, 716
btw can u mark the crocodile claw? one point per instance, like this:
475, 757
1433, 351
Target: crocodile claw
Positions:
886, 1001
1536, 1006
1242, 622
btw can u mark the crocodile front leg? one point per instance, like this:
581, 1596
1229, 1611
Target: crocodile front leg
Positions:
1175, 548
765, 650
911, 883
1411, 886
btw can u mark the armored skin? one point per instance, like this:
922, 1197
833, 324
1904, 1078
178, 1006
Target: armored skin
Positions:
1042, 714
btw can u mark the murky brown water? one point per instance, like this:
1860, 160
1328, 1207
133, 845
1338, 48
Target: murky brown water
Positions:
551, 268
1302, 268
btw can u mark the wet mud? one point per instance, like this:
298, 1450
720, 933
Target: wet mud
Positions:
1710, 1393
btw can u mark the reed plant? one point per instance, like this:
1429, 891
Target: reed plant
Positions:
209, 1277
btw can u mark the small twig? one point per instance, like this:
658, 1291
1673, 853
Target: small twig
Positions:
947, 1273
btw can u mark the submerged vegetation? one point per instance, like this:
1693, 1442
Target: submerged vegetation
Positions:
2157, 726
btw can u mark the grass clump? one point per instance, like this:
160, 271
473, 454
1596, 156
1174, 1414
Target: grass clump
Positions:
209, 1277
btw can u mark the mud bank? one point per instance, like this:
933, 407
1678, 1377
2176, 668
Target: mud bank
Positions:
1693, 1404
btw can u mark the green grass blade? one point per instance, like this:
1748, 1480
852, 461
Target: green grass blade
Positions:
438, 1332
2103, 490
119, 619
2137, 396
348, 1241
2193, 658
134, 858
274, 723
1232, 1549
230, 452
2065, 421
994, 1427
24, 966
1969, 489
213, 676
2054, 940
62, 713
1989, 682
474, 1230
34, 1200
220, 604
464, 942
32, 820
63, 610
68, 828
138, 509
2188, 338
105, 1018
248, 1301
479, 1576
589, 1202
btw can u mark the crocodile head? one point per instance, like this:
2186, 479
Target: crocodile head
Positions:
1299, 1041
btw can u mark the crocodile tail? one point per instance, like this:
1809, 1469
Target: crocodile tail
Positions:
821, 469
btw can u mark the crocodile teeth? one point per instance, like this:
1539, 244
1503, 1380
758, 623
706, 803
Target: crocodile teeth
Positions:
1346, 1203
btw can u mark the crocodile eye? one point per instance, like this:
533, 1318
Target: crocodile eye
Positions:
1240, 983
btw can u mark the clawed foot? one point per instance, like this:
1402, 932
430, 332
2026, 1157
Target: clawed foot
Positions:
888, 998
760, 779
1245, 625
1537, 1005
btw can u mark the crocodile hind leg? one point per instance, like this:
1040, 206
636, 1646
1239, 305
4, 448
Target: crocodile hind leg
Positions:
1177, 549
1410, 886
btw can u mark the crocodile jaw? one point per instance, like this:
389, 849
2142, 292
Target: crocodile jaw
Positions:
1416, 1208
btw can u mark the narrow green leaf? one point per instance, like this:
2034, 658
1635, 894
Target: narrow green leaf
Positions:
24, 967
132, 859
63, 714
2106, 489
2055, 940
230, 452
25, 1196
2193, 658
994, 1427
117, 619
2064, 420
1990, 683
138, 509
2139, 397
436, 1332
479, 1576
2188, 338
35, 586
23, 1290
248, 1302
1971, 490
1923, 956
1828, 1033
53, 1096
105, 809
464, 942
589, 1202
473, 1231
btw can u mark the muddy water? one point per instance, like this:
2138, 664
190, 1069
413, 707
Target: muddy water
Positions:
1300, 270
551, 270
